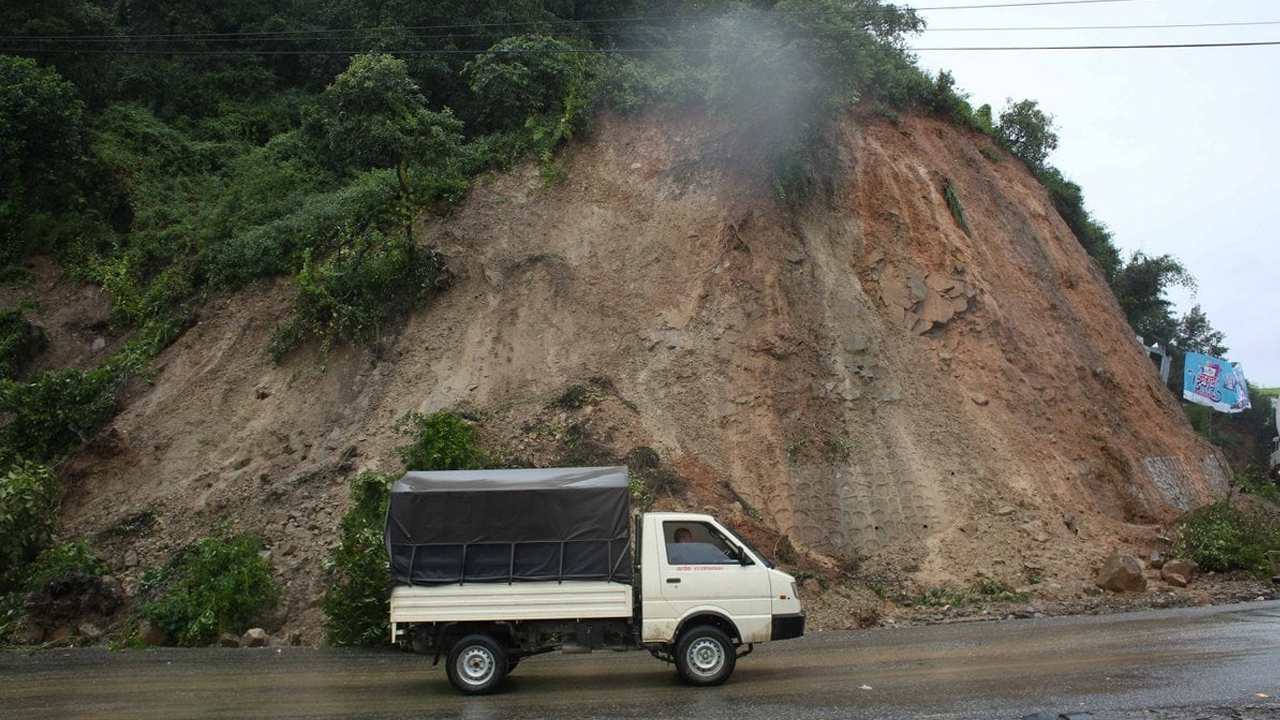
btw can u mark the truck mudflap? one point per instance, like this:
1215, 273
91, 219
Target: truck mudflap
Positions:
786, 627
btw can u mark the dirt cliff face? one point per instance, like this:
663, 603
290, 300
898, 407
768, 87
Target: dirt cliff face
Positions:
856, 369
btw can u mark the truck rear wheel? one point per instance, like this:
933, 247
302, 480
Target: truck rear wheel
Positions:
477, 663
705, 656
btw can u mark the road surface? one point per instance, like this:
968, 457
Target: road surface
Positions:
1108, 667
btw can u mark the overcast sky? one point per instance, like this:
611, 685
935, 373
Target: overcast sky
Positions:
1175, 149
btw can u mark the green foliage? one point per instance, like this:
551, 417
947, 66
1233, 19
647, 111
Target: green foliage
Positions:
439, 441
20, 342
356, 604
641, 496
521, 77
29, 497
1068, 200
953, 203
45, 419
1027, 131
208, 588
41, 155
1222, 537
73, 557
349, 293
1140, 287
374, 116
983, 590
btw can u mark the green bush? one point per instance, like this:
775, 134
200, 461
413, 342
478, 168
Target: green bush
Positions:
208, 588
45, 419
72, 557
20, 341
1222, 537
348, 295
439, 441
356, 606
29, 497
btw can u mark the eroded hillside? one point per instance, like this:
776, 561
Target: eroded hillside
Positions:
855, 376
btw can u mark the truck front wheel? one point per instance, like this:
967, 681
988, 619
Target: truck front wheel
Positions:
705, 656
477, 663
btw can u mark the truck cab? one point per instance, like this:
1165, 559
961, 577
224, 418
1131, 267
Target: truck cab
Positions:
695, 570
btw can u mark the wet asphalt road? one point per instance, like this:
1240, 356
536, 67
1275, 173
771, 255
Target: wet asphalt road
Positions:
1110, 667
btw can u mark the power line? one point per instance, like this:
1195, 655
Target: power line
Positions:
993, 6
997, 5
270, 34
1154, 46
377, 33
620, 51
1250, 23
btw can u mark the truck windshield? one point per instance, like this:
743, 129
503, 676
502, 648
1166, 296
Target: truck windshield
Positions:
763, 558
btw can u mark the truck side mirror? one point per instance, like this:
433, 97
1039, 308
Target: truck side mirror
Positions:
743, 558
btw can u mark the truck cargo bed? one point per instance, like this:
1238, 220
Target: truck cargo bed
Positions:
570, 600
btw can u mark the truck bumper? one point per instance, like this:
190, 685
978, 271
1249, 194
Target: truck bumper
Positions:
786, 627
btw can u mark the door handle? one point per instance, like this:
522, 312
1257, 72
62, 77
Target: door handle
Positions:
673, 580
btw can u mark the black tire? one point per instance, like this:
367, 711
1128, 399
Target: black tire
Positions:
705, 656
477, 663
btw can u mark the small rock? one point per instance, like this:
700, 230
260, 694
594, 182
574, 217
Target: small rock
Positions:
1178, 566
1006, 510
98, 344
227, 640
1155, 559
1174, 579
256, 637
262, 393
89, 631
131, 559
1121, 573
151, 635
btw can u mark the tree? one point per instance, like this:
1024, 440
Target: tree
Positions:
1028, 132
1140, 288
519, 77
41, 149
373, 116
1195, 334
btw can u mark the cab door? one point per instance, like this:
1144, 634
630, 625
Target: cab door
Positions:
703, 567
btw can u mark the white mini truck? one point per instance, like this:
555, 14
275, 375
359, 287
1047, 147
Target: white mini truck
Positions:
493, 566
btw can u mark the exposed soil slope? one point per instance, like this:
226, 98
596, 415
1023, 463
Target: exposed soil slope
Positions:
861, 373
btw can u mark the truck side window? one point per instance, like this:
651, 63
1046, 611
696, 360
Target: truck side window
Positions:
692, 543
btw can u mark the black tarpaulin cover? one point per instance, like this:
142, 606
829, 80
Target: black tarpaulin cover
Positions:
510, 525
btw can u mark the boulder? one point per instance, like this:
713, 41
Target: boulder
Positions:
151, 635
1179, 566
1174, 579
1121, 573
256, 637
